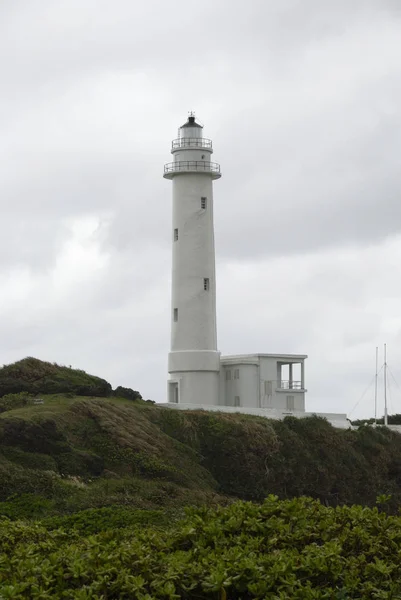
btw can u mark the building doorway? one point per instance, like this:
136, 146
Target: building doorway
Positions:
173, 392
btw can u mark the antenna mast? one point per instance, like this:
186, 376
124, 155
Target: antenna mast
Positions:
385, 386
377, 355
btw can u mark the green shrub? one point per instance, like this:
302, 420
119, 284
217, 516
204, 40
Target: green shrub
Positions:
153, 467
95, 520
127, 393
15, 479
296, 549
78, 462
42, 436
26, 506
29, 460
12, 401
34, 376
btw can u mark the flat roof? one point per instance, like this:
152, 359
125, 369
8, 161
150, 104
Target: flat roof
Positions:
257, 356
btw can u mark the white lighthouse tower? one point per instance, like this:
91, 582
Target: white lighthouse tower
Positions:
267, 385
194, 361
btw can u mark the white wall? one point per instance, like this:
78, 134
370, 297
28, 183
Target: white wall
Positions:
190, 132
245, 387
254, 371
202, 154
193, 260
199, 387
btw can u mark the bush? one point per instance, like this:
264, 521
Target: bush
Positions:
12, 401
95, 520
29, 460
17, 480
234, 448
26, 506
296, 549
127, 393
78, 462
34, 376
43, 437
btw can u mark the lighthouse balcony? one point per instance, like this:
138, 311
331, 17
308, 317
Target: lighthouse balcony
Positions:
191, 166
188, 142
290, 385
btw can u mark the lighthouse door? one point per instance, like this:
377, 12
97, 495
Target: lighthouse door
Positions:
173, 392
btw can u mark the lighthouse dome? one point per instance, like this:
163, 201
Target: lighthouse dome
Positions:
190, 129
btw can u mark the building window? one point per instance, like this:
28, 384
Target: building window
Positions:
268, 388
237, 401
236, 373
176, 315
175, 235
228, 375
290, 402
203, 203
206, 284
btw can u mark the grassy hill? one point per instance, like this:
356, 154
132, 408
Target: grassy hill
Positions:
76, 453
34, 376
31, 377
101, 480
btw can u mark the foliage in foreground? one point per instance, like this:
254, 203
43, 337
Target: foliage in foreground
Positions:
280, 549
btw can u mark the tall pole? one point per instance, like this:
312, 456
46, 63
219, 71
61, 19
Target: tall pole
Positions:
377, 356
385, 387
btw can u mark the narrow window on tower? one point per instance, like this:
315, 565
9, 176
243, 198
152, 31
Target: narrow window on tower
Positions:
236, 373
206, 284
203, 203
176, 315
228, 375
175, 235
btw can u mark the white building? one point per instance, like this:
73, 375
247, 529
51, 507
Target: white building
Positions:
271, 385
263, 381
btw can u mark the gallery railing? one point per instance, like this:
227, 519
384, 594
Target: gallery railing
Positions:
191, 143
191, 165
289, 385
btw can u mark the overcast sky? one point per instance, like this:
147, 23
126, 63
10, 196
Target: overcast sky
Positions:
302, 99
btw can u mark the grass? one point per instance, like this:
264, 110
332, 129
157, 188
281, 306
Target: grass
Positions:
93, 452
106, 451
56, 404
34, 376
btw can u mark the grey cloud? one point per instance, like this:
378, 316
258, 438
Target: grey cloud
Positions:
302, 102
282, 158
95, 35
30, 241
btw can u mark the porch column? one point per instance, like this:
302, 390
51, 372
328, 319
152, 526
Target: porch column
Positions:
290, 385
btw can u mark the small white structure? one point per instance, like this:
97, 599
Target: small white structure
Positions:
263, 381
271, 385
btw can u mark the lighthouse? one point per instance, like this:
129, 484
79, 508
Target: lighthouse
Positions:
193, 361
267, 385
